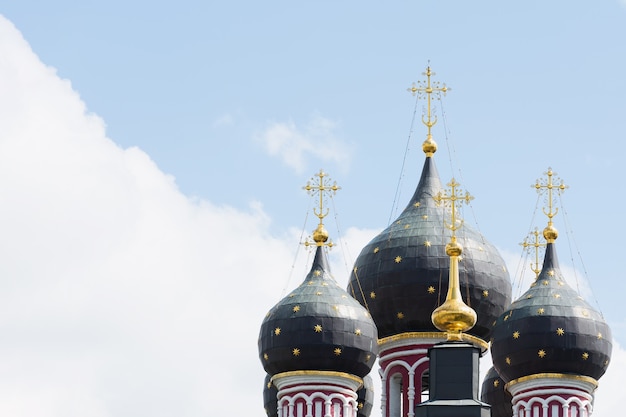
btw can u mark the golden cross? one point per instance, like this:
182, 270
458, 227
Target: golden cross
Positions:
428, 88
453, 197
536, 244
322, 187
550, 185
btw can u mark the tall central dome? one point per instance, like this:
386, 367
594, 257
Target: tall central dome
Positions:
401, 275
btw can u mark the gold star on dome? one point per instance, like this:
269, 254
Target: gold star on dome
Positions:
529, 296
277, 331
427, 243
317, 328
425, 217
485, 293
367, 358
557, 295
318, 293
480, 248
506, 317
310, 282
296, 309
406, 226
296, 352
400, 315
585, 313
266, 356
376, 249
541, 353
324, 284
560, 331
398, 259
337, 351
360, 406
551, 273
508, 360
372, 294
561, 283
545, 282
504, 269
585, 356
599, 336
317, 273
534, 284
606, 362
516, 335
431, 290
357, 332
496, 382
540, 311
417, 204
336, 308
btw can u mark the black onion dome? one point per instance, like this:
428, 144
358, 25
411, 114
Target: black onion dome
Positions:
551, 329
318, 327
494, 394
270, 397
402, 274
365, 398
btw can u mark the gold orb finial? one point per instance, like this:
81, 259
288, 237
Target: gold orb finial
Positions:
320, 235
550, 233
429, 146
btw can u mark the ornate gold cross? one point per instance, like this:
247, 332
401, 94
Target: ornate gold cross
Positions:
536, 244
452, 198
321, 186
427, 88
550, 232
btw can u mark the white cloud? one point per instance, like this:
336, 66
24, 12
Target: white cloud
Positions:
296, 147
119, 296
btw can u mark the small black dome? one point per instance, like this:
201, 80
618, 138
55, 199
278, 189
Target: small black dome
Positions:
551, 329
365, 400
494, 394
270, 397
402, 274
318, 327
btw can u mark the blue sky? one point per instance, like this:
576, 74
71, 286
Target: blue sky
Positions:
219, 113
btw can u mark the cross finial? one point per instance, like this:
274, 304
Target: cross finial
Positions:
536, 243
454, 197
427, 89
320, 185
550, 233
453, 316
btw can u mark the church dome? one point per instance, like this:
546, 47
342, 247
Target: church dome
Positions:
318, 327
494, 394
551, 329
270, 400
365, 398
401, 276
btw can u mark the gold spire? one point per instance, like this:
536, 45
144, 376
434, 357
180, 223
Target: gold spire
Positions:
321, 188
426, 87
453, 316
550, 233
536, 244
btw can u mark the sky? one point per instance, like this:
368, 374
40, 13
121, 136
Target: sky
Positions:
152, 158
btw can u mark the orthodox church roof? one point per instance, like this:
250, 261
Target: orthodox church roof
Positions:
551, 329
318, 327
401, 275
